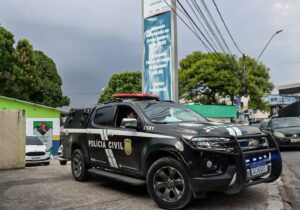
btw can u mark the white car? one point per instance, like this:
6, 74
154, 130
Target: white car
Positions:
36, 151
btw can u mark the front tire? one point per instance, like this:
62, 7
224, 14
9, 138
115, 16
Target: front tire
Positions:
79, 166
168, 185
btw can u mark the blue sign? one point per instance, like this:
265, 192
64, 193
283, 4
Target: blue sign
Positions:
157, 56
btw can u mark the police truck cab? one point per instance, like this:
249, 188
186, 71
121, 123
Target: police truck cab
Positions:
177, 153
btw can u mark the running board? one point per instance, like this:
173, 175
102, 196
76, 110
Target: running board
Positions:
118, 177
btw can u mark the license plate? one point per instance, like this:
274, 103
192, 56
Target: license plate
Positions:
35, 158
259, 169
295, 140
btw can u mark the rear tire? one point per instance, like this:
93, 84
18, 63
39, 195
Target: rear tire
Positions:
63, 162
79, 166
168, 185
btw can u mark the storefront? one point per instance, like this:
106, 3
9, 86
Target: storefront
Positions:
41, 121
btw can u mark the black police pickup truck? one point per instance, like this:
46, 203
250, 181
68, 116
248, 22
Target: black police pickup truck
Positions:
177, 153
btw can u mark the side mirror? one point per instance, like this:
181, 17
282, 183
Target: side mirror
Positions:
268, 129
129, 123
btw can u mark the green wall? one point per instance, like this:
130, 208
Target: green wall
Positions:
32, 110
214, 111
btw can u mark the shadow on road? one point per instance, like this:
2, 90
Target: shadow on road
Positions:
137, 191
249, 197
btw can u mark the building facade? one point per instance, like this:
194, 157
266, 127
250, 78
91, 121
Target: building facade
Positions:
41, 121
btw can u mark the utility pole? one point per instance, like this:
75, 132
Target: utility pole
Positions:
244, 83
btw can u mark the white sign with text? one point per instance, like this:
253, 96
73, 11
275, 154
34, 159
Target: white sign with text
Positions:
155, 7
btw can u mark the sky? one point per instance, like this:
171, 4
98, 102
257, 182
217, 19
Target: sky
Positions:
91, 40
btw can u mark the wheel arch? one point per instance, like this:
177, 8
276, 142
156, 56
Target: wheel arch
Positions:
84, 150
165, 152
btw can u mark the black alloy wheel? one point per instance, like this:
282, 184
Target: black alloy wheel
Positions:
79, 166
167, 184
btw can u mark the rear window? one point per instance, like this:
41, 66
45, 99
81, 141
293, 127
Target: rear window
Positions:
104, 116
77, 118
32, 140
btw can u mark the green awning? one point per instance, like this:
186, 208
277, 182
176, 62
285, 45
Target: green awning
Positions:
214, 111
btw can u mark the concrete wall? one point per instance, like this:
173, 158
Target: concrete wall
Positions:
12, 139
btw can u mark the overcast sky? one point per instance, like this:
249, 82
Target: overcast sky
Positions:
91, 40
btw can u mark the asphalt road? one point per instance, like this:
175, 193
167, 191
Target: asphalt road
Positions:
291, 175
53, 187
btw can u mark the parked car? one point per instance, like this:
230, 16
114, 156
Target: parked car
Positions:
61, 158
36, 151
263, 125
285, 130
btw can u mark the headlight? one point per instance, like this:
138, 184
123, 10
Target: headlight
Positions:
214, 144
278, 134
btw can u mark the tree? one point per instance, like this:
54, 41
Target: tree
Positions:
127, 82
222, 76
24, 79
27, 74
6, 50
50, 93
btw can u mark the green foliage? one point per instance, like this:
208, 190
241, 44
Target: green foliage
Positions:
28, 75
223, 78
6, 50
24, 79
127, 82
50, 93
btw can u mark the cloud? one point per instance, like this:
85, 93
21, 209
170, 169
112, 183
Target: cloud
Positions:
90, 40
280, 12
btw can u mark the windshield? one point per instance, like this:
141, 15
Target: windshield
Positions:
169, 113
32, 140
286, 122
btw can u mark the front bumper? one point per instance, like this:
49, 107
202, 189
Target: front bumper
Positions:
236, 176
287, 142
213, 183
37, 159
47, 160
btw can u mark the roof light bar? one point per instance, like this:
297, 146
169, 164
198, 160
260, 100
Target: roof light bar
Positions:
136, 95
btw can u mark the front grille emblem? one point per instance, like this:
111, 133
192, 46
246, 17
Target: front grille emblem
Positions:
253, 142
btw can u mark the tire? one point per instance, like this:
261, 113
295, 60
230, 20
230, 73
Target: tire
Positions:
167, 183
47, 163
63, 162
79, 167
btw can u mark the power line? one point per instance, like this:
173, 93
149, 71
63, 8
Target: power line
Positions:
199, 29
215, 25
227, 27
208, 25
210, 28
202, 24
194, 31
286, 63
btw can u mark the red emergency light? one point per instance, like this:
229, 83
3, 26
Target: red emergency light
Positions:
137, 96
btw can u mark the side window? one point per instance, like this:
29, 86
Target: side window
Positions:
269, 124
104, 116
124, 112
